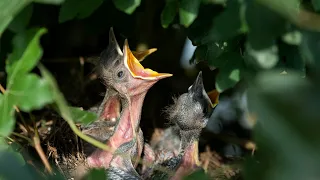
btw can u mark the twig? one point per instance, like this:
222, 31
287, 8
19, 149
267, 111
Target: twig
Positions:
39, 150
23, 137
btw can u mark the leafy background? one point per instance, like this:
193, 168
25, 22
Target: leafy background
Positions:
269, 45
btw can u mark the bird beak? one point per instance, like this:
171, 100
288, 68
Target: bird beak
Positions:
141, 55
136, 69
214, 97
113, 43
198, 89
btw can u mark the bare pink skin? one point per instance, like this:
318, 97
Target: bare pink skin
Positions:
189, 163
124, 133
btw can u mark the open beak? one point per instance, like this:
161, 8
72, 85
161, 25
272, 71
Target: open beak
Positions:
214, 97
136, 69
141, 55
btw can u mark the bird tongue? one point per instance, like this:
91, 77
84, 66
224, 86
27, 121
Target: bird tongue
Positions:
112, 109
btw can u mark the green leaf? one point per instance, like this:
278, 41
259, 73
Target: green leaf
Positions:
57, 95
316, 4
168, 13
81, 116
15, 148
62, 106
9, 9
95, 174
188, 11
310, 47
264, 25
230, 66
199, 174
212, 25
288, 142
127, 6
56, 2
27, 52
72, 9
290, 59
11, 168
29, 92
262, 59
22, 19
7, 119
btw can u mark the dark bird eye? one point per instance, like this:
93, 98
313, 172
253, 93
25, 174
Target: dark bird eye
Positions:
120, 74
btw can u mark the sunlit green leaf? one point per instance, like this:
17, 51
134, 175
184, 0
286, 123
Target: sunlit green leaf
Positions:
188, 11
72, 9
81, 116
22, 19
29, 92
230, 66
265, 58
27, 52
127, 6
7, 119
168, 13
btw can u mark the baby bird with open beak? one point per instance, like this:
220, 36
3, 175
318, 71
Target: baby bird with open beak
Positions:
127, 84
190, 113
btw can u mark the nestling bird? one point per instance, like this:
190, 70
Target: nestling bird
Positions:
127, 83
190, 113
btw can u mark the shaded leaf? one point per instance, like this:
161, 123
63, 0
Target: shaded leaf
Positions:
72, 9
264, 25
8, 160
7, 119
290, 59
21, 20
29, 92
127, 6
81, 116
316, 4
188, 11
310, 47
230, 66
95, 174
168, 13
288, 142
9, 9
57, 2
15, 148
199, 174
230, 22
27, 52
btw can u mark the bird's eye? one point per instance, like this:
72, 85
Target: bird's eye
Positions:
120, 74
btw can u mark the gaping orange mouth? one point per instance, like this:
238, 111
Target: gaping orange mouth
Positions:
136, 69
214, 97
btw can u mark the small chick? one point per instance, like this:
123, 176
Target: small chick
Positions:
190, 114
